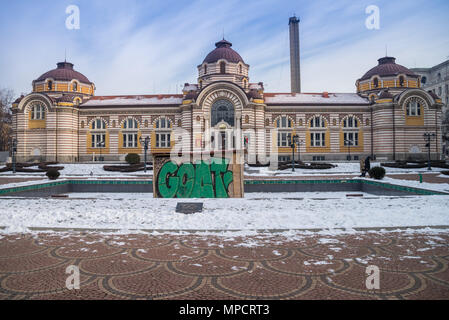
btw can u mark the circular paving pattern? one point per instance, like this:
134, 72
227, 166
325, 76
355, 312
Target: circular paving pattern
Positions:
413, 265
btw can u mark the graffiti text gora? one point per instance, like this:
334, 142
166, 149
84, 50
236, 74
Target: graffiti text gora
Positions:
200, 180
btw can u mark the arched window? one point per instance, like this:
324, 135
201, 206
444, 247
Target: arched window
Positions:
98, 124
205, 69
162, 134
284, 122
222, 110
317, 122
50, 85
131, 124
423, 80
98, 133
37, 110
350, 122
222, 67
245, 84
201, 84
75, 86
240, 69
401, 81
376, 83
163, 123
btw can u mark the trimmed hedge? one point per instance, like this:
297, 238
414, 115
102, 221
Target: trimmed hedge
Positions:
25, 167
132, 158
377, 173
52, 174
307, 166
416, 164
127, 168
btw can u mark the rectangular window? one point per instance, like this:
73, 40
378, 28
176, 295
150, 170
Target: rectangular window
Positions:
130, 140
413, 109
162, 140
98, 140
284, 139
351, 138
318, 139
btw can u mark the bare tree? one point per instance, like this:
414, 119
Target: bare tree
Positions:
6, 99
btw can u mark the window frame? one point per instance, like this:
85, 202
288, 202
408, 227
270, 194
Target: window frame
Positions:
37, 111
413, 110
320, 142
165, 142
354, 139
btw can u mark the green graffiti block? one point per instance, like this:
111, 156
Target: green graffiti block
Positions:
168, 169
227, 179
186, 175
219, 167
202, 187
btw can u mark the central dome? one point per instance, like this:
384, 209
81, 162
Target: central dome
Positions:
223, 51
64, 72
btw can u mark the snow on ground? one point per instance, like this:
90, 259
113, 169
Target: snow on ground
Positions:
82, 169
443, 187
255, 211
341, 168
85, 169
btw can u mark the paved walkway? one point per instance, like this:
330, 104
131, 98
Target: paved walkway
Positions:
143, 266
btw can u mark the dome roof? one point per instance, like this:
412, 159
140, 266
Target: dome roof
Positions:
388, 67
223, 51
64, 72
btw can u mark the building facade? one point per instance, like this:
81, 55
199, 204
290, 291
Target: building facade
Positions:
63, 120
436, 79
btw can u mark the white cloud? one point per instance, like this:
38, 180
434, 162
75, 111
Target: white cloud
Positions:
149, 47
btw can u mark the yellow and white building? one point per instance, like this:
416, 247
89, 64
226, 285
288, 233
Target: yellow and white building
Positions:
62, 119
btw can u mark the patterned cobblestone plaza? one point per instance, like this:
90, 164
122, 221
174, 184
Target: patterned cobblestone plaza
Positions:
413, 265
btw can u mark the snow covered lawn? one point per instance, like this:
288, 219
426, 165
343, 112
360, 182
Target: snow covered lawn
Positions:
85, 169
255, 211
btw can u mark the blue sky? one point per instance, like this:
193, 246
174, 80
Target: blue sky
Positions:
146, 47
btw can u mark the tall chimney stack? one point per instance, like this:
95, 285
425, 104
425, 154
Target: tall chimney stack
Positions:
295, 70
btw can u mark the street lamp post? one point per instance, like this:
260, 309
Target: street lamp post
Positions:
295, 139
146, 142
428, 137
349, 144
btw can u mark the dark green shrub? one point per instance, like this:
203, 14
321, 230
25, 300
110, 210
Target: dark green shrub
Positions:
52, 174
132, 158
377, 173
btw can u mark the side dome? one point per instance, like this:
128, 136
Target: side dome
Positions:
64, 72
387, 74
388, 67
223, 50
